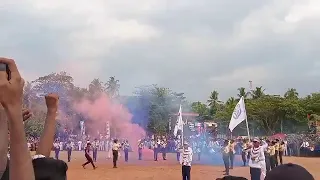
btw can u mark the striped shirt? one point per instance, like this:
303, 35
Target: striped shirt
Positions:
186, 157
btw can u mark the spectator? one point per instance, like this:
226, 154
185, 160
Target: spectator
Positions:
289, 172
11, 90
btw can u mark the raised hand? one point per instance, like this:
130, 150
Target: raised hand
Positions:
52, 101
26, 114
11, 90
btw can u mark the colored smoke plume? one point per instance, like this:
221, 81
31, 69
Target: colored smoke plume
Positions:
103, 109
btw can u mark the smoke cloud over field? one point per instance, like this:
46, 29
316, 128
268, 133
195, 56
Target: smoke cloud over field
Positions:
103, 110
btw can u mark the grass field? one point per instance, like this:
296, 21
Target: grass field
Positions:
147, 169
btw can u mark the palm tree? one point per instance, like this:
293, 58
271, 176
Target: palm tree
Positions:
291, 94
96, 86
231, 101
258, 92
113, 87
214, 99
243, 93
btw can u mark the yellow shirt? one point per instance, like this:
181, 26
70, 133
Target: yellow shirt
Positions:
276, 146
282, 148
271, 150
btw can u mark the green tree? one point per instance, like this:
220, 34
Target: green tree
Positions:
291, 94
258, 92
113, 87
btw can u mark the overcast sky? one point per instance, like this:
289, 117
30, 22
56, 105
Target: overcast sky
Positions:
191, 46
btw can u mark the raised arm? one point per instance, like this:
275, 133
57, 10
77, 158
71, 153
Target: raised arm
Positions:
3, 140
47, 136
11, 99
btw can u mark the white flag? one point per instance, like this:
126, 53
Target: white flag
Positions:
179, 123
239, 114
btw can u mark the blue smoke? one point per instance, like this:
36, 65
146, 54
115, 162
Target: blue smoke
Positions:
139, 107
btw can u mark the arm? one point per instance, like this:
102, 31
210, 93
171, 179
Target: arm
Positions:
20, 166
20, 160
4, 141
47, 136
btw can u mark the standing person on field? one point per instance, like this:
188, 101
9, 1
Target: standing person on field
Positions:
140, 147
95, 149
116, 146
277, 147
281, 151
126, 147
56, 147
88, 157
226, 156
257, 160
232, 152
185, 161
69, 150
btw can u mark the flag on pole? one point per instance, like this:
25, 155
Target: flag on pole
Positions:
239, 114
179, 123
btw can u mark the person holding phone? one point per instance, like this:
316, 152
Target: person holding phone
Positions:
11, 93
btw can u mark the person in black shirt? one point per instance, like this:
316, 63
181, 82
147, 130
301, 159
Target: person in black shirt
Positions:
88, 157
69, 150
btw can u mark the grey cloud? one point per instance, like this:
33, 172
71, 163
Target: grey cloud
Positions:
167, 61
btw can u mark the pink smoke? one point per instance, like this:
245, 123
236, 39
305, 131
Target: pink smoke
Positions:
103, 109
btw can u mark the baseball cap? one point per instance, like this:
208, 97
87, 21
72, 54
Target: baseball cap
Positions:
289, 172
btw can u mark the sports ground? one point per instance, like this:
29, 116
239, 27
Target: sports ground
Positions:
147, 169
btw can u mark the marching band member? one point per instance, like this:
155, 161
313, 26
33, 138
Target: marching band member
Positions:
140, 147
225, 156
56, 147
185, 161
79, 145
69, 150
116, 146
198, 150
177, 148
126, 147
272, 152
163, 144
232, 152
88, 157
257, 160
95, 146
277, 147
267, 157
281, 151
244, 154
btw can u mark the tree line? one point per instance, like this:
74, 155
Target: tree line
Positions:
153, 106
267, 113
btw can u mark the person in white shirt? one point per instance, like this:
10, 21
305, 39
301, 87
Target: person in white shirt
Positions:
116, 147
79, 145
186, 160
56, 147
110, 145
304, 148
257, 160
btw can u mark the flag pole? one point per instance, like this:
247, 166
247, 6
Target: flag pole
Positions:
182, 129
247, 124
248, 128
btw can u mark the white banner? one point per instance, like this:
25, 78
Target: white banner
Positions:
239, 114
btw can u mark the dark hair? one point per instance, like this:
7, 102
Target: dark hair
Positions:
115, 140
45, 169
50, 169
232, 178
